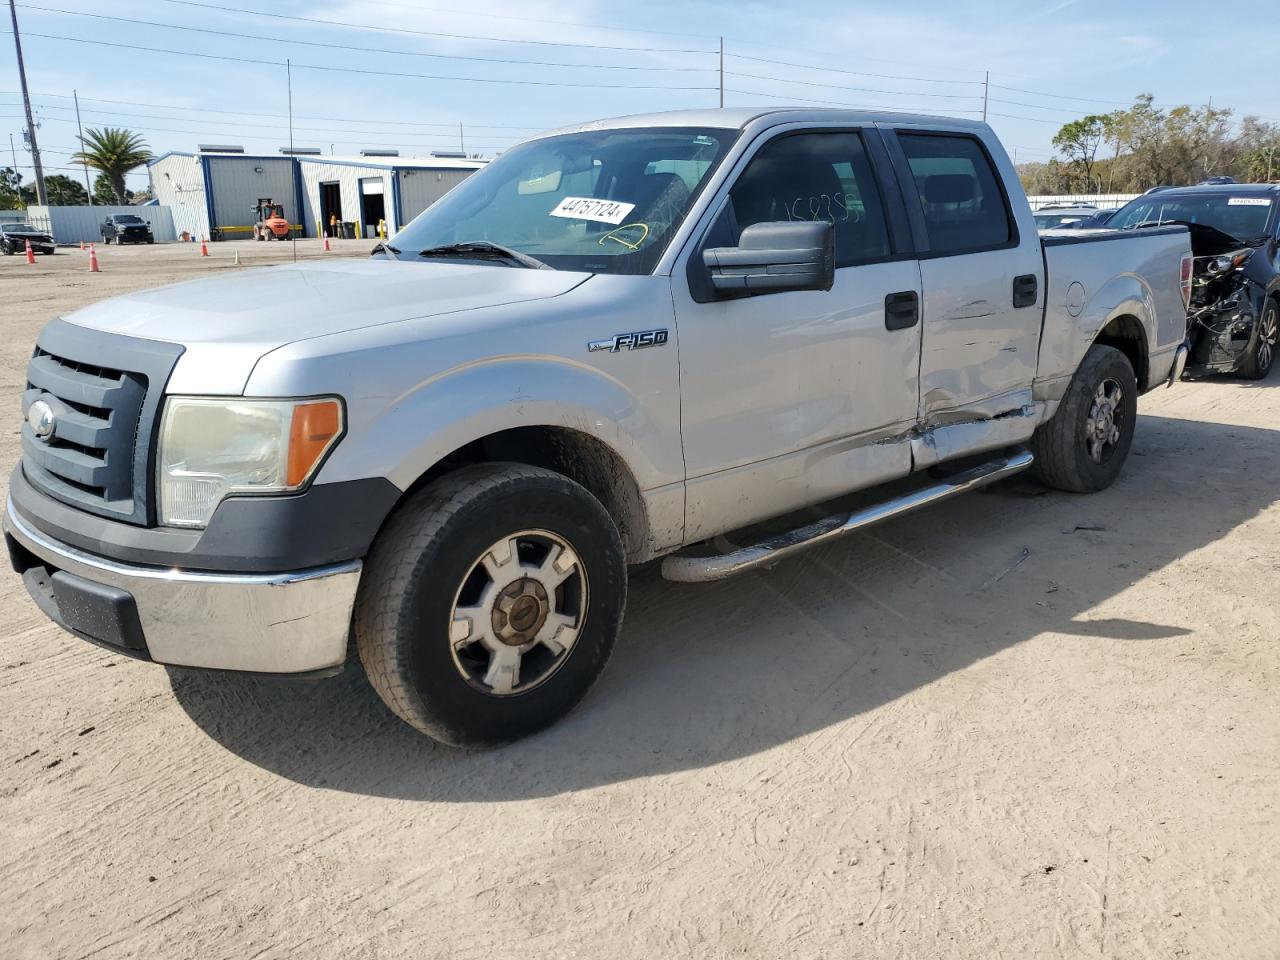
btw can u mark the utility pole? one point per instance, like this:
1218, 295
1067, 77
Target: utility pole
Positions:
41, 198
14, 151
80, 131
462, 141
986, 90
722, 71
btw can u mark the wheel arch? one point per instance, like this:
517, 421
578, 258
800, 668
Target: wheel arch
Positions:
1126, 333
583, 458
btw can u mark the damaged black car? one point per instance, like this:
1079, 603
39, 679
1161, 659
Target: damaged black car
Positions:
1233, 321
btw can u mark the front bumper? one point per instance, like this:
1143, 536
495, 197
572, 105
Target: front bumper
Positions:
294, 622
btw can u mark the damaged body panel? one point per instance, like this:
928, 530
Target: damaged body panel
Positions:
1234, 296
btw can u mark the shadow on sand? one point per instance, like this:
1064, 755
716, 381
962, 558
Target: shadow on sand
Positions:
706, 674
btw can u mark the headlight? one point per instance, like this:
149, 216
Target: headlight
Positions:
213, 448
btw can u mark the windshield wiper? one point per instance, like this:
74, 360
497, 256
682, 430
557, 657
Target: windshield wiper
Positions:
484, 250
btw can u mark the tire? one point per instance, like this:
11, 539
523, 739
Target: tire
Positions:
151, 239
1069, 455
1262, 354
106, 241
442, 553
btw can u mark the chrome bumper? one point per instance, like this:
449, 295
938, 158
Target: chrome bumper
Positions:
296, 622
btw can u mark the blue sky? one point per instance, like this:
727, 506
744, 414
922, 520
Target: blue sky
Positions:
1049, 62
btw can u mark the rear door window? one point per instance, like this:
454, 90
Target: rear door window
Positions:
959, 194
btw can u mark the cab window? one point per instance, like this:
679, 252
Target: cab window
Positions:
959, 194
816, 176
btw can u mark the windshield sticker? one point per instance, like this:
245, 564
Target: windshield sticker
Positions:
586, 208
1249, 202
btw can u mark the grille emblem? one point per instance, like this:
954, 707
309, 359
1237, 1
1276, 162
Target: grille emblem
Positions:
42, 420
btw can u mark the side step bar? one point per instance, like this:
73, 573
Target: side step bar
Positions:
704, 569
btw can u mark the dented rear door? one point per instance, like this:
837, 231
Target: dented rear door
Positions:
981, 274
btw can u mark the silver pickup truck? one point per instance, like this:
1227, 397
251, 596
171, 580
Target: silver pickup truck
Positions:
612, 344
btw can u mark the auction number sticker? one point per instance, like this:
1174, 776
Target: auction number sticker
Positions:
587, 208
1249, 202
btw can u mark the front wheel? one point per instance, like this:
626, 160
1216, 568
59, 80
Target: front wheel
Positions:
1082, 449
490, 603
1257, 364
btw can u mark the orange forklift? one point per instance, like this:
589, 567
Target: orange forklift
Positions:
271, 223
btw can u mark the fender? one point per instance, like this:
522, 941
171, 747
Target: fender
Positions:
416, 430
1067, 340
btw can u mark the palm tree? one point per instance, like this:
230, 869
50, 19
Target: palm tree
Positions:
115, 153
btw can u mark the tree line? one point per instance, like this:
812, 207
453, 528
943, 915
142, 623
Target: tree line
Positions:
1129, 151
112, 152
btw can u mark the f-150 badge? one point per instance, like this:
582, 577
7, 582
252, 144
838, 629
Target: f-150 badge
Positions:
629, 341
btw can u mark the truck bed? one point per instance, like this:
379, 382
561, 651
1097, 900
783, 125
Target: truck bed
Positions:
1094, 276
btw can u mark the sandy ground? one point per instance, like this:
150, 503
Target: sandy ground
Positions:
1024, 724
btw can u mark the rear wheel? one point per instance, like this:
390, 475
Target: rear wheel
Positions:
1260, 359
490, 603
1084, 446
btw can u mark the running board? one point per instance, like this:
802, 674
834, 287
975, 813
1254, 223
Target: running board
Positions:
705, 569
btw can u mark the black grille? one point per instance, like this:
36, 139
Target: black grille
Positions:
104, 392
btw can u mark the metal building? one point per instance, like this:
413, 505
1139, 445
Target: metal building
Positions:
214, 193
367, 189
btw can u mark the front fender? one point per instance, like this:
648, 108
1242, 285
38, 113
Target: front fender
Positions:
414, 431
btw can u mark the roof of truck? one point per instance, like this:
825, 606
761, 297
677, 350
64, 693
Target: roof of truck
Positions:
736, 118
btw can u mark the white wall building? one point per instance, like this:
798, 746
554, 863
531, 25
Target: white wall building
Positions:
366, 190
214, 193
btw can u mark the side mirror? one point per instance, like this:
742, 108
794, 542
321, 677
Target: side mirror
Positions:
773, 257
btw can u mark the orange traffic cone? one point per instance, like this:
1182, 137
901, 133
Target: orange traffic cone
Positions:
93, 260
204, 248
82, 246
31, 254
327, 248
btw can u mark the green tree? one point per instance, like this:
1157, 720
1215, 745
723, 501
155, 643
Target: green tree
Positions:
114, 152
64, 192
104, 194
1080, 140
11, 190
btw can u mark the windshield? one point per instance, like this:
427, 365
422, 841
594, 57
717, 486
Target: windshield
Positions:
19, 228
605, 201
128, 218
1242, 217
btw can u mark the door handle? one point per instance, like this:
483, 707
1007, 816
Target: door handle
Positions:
1025, 289
901, 310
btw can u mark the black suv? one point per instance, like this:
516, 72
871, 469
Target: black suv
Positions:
1234, 312
14, 237
126, 228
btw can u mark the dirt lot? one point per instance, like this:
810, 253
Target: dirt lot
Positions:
1022, 725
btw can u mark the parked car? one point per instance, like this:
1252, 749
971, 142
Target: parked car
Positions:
1099, 219
1235, 299
126, 228
14, 238
1058, 214
451, 451
1215, 181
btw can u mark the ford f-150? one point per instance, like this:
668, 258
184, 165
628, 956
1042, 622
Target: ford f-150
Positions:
612, 344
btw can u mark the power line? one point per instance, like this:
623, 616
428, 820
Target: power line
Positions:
841, 103
855, 73
427, 33
1059, 96
1010, 116
280, 116
356, 49
366, 72
240, 124
833, 86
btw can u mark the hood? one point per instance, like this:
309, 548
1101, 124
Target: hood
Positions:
226, 323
